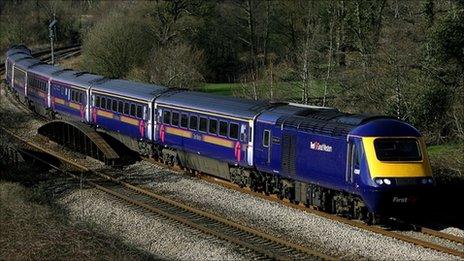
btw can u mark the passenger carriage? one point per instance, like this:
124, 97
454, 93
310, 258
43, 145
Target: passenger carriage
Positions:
70, 94
126, 110
19, 75
38, 86
209, 132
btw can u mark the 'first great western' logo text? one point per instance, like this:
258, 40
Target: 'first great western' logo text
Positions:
321, 147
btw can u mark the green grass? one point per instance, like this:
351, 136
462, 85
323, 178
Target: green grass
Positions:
220, 88
443, 149
316, 88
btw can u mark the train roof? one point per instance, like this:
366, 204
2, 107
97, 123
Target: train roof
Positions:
43, 69
384, 127
228, 106
129, 89
330, 122
76, 78
18, 49
25, 62
17, 56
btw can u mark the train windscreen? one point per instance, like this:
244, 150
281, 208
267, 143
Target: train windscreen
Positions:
397, 149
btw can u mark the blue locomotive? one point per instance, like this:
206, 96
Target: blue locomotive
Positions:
348, 164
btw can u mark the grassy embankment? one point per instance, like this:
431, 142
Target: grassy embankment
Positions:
32, 227
448, 163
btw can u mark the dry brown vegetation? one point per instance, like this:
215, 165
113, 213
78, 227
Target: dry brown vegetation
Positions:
31, 230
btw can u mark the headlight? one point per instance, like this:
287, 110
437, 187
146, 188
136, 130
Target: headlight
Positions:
383, 181
430, 180
424, 181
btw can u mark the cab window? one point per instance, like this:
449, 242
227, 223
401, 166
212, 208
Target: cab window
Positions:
397, 149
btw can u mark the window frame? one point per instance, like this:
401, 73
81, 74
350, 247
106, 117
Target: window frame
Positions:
238, 130
268, 140
186, 122
132, 110
108, 103
206, 124
139, 111
126, 110
168, 114
103, 103
216, 126
114, 105
226, 128
190, 122
177, 120
120, 106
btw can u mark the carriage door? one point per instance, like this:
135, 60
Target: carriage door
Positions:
267, 145
353, 159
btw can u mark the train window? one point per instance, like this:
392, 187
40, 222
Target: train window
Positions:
223, 128
103, 103
120, 106
132, 110
126, 108
108, 103
184, 120
139, 111
266, 138
213, 126
97, 101
81, 97
203, 124
400, 149
175, 119
233, 131
115, 105
166, 117
193, 122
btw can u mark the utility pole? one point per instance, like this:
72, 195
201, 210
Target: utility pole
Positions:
52, 35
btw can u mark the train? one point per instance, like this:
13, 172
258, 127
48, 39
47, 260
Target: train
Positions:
362, 166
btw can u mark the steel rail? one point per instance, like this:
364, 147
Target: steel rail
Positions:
252, 239
46, 56
353, 223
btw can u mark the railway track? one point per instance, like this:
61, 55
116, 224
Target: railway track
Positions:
386, 231
258, 242
60, 54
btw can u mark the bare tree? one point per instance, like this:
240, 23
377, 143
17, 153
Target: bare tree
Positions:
177, 66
